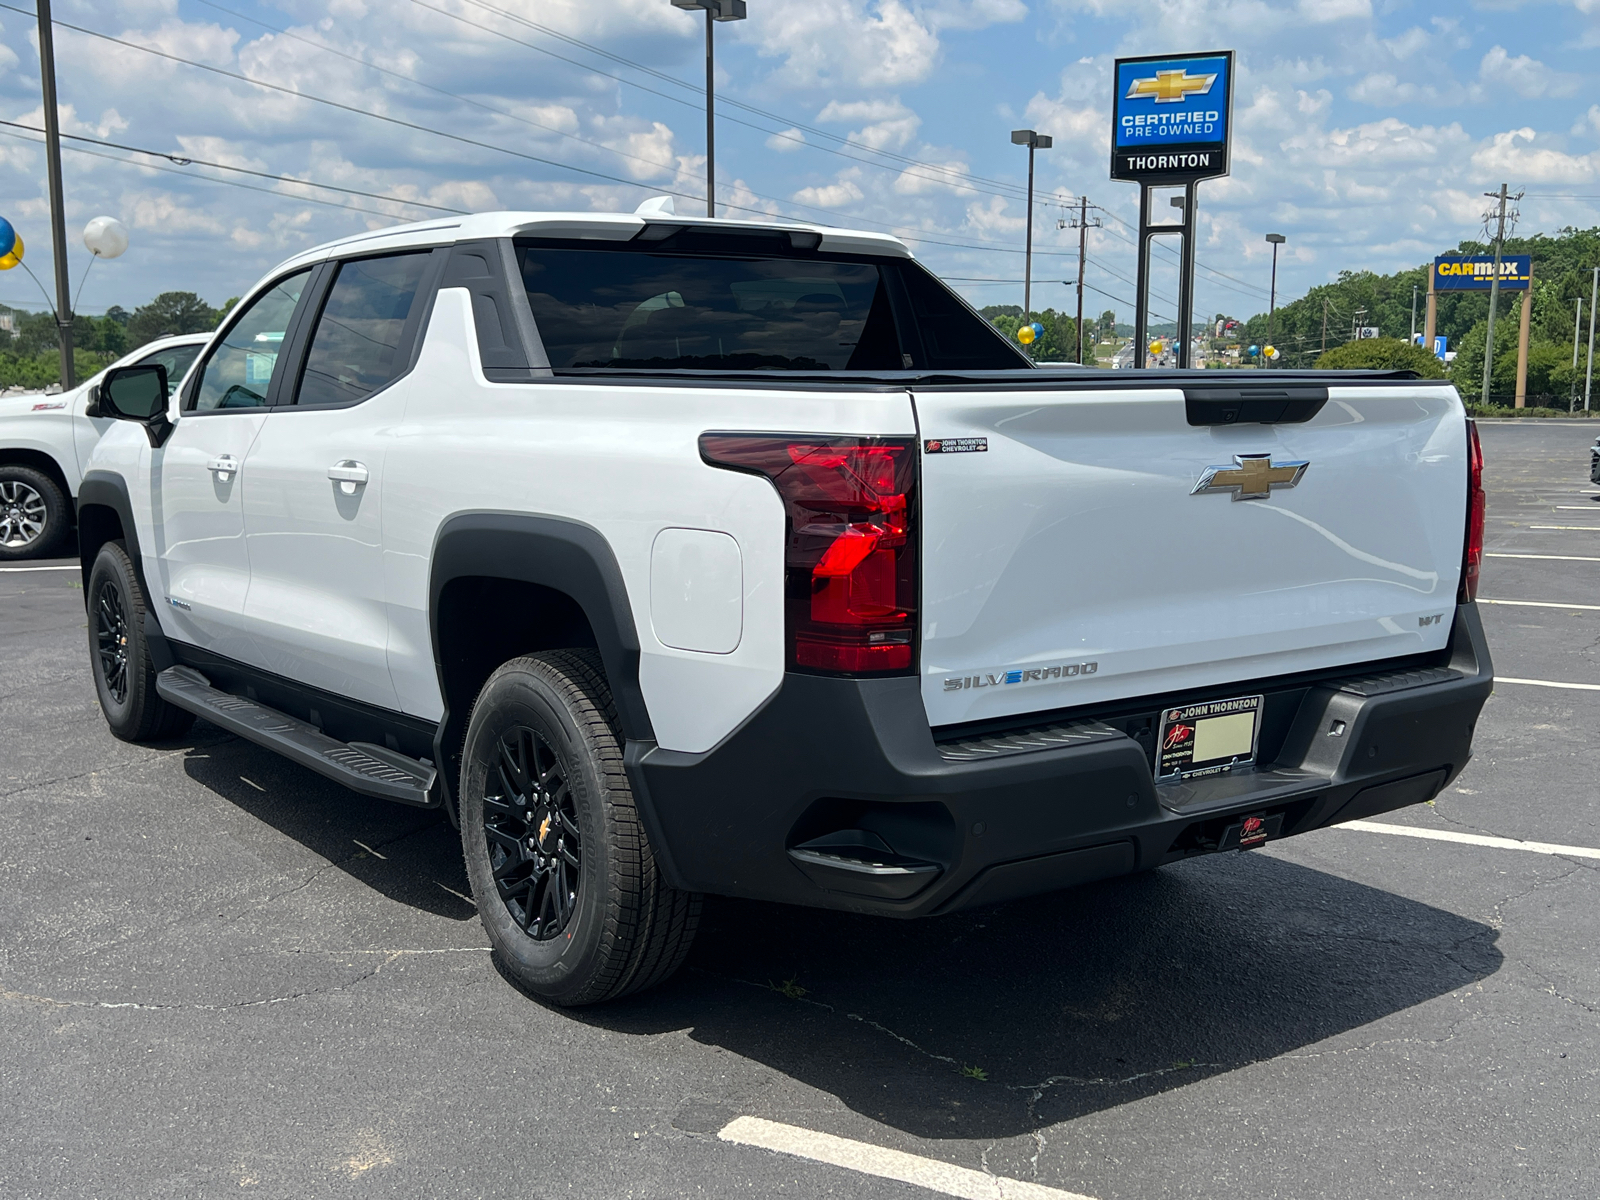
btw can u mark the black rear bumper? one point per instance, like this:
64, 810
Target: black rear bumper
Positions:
836, 793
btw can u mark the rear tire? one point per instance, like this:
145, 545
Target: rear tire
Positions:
119, 655
564, 878
33, 513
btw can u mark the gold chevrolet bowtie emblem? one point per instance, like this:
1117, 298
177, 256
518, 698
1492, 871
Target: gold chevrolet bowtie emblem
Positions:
1171, 87
1254, 477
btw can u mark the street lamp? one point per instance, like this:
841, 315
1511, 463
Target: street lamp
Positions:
715, 10
1033, 141
1277, 239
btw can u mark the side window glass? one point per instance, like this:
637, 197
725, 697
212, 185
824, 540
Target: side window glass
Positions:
356, 348
176, 359
239, 371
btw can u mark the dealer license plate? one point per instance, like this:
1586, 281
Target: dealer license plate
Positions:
1209, 738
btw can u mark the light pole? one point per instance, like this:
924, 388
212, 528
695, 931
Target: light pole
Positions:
1413, 312
1033, 141
715, 10
1277, 239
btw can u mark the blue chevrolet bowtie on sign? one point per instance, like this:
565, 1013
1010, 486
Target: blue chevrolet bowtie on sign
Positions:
1170, 117
1476, 273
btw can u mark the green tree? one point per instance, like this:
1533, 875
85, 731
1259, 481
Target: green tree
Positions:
1382, 354
1059, 342
170, 313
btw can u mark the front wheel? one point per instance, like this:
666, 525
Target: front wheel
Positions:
561, 870
119, 655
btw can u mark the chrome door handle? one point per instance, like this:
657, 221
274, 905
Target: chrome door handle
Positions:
348, 474
223, 464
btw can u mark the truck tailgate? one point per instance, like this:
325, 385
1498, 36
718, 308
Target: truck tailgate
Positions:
1069, 562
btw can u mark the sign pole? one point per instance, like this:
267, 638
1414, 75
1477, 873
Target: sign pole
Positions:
1430, 321
1186, 281
1588, 371
1522, 345
1141, 286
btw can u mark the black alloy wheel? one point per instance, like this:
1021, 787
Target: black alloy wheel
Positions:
111, 640
119, 653
530, 824
562, 870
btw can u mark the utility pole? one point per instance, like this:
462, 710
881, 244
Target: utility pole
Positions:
1324, 324
1413, 312
58, 216
1494, 282
1082, 224
716, 10
1033, 141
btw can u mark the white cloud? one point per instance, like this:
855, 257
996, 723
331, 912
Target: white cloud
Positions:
1527, 77
786, 142
832, 195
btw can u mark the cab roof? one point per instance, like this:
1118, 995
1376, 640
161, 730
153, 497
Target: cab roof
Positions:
606, 227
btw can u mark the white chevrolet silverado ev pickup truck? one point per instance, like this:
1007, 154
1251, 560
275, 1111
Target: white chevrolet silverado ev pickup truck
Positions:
675, 556
46, 439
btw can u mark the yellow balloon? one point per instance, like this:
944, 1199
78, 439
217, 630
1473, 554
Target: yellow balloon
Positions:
1025, 335
1155, 347
10, 260
1272, 352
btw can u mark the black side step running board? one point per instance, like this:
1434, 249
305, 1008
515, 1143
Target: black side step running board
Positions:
360, 766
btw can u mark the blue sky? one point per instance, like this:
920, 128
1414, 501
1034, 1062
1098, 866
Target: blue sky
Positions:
1366, 131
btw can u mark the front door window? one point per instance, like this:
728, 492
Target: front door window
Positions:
239, 372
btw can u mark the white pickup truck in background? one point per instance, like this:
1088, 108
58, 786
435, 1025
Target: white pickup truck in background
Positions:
676, 556
44, 442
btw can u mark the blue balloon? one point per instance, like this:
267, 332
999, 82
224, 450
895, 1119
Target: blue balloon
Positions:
8, 237
1038, 330
1254, 349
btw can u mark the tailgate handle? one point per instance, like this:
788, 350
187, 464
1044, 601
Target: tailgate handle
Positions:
1287, 405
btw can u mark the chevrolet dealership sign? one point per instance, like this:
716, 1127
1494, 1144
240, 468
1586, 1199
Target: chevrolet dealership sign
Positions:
1476, 274
1170, 117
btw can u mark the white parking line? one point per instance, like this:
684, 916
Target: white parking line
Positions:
1588, 528
1553, 557
73, 567
1539, 604
867, 1159
1472, 839
1576, 508
1577, 687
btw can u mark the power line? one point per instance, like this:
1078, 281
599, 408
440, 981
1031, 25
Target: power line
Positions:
250, 187
184, 161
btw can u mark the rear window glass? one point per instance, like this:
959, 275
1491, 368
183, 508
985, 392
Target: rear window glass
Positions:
663, 311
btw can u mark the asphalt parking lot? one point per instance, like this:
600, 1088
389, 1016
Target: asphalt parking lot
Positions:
220, 974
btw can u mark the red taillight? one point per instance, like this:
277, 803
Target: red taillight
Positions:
1472, 556
850, 579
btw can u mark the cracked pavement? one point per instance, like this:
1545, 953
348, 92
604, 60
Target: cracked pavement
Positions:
220, 973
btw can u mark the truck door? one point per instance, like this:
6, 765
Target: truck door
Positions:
313, 509
198, 478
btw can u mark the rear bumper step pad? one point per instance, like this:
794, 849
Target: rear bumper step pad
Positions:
360, 766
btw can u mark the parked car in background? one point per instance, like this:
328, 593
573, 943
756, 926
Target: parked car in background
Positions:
45, 441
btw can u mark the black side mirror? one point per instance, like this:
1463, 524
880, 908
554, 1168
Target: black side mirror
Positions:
137, 394
91, 403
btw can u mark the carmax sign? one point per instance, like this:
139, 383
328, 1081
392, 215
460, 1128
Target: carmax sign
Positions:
1476, 274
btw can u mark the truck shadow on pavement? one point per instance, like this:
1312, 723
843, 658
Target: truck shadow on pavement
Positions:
985, 1024
1003, 1021
421, 854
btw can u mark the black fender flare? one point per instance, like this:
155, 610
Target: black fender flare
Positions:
109, 491
564, 555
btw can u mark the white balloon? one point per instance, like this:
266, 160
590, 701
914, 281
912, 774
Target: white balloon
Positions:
106, 237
